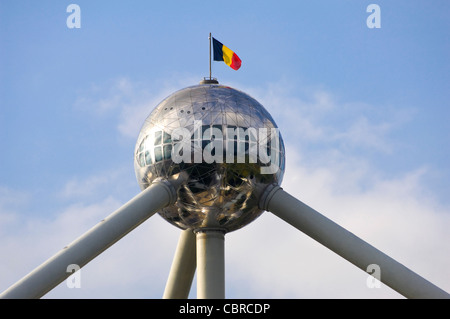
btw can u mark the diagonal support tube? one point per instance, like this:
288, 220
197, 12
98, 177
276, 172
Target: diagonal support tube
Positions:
96, 240
346, 244
183, 267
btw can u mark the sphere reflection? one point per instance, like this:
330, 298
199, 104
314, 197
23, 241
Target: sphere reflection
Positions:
225, 141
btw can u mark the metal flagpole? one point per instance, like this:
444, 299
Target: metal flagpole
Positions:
183, 268
92, 243
346, 244
210, 73
205, 79
210, 264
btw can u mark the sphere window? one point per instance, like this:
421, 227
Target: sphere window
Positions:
158, 154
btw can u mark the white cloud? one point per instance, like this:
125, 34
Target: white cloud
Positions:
129, 100
316, 117
362, 133
109, 182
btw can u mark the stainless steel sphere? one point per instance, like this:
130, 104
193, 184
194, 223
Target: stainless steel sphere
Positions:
225, 141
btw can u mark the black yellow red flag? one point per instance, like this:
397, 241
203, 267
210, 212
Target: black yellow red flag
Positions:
223, 53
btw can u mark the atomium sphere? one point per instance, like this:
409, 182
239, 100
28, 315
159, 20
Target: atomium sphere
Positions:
226, 142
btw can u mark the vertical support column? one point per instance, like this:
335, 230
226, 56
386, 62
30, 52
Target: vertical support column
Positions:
210, 264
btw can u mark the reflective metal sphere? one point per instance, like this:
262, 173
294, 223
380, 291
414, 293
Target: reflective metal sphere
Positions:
225, 141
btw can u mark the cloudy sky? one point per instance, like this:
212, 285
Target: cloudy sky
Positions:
364, 113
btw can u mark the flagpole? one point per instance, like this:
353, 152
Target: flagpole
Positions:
211, 80
210, 56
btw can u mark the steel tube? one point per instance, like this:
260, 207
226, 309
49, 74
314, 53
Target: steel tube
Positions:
347, 245
89, 245
183, 267
210, 264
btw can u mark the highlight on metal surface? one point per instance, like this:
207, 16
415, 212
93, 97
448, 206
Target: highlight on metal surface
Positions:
226, 142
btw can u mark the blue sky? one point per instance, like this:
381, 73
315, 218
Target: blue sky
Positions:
364, 114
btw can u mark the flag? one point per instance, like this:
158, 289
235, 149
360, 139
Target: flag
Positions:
222, 53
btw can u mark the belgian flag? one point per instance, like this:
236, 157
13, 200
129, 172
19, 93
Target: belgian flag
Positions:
222, 53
